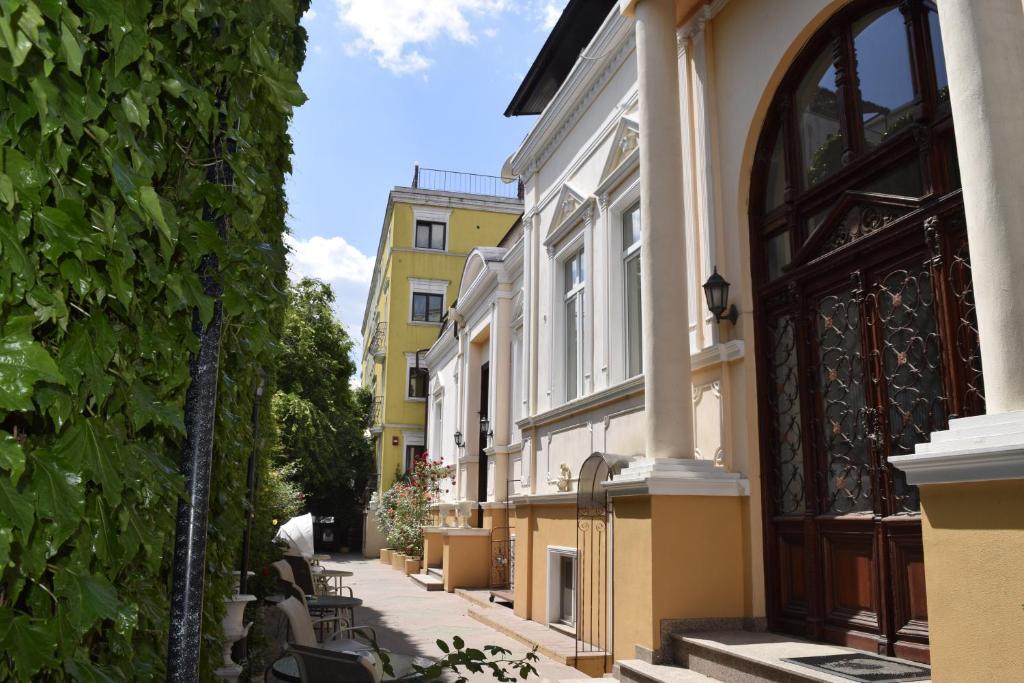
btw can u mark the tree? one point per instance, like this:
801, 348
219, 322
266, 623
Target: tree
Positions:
320, 418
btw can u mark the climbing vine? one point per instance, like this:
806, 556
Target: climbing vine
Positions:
112, 112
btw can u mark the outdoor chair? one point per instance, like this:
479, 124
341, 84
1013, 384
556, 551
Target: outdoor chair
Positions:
303, 627
317, 665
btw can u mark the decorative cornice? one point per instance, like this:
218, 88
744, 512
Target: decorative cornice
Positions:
584, 213
612, 394
676, 477
615, 40
980, 448
568, 498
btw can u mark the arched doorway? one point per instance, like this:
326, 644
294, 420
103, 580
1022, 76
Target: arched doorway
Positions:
865, 328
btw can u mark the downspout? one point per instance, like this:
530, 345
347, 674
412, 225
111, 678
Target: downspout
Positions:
184, 640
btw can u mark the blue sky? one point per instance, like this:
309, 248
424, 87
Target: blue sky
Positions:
391, 82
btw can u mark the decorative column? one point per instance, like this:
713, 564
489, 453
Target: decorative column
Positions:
972, 475
663, 281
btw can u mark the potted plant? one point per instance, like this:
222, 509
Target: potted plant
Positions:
405, 509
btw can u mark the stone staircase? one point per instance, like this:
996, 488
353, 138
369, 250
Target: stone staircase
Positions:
431, 579
731, 657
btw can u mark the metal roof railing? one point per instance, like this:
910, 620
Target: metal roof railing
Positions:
465, 183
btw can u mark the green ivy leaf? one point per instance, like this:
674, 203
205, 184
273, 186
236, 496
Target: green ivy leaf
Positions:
23, 362
88, 443
12, 458
5, 548
72, 50
59, 497
17, 507
151, 203
91, 597
29, 642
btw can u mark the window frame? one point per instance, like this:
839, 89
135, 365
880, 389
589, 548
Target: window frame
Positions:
931, 130
431, 224
425, 373
627, 254
426, 319
576, 294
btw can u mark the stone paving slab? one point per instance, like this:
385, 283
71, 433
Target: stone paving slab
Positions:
409, 619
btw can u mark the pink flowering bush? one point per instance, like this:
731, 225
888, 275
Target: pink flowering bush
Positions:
405, 507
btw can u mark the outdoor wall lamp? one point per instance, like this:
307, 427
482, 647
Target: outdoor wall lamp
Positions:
716, 292
485, 424
459, 441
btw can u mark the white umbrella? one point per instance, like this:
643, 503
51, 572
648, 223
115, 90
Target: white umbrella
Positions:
297, 532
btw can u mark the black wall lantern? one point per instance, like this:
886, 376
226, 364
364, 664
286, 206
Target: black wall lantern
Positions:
459, 441
716, 293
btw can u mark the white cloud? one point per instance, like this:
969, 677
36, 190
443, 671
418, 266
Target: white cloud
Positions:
491, 32
317, 49
392, 30
309, 16
551, 12
345, 268
328, 258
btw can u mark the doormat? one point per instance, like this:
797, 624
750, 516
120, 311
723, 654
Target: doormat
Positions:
865, 668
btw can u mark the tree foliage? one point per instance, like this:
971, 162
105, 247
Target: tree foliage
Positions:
320, 419
111, 113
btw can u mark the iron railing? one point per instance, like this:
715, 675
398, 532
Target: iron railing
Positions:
378, 342
465, 183
376, 414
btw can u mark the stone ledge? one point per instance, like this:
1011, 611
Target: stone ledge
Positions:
676, 477
980, 448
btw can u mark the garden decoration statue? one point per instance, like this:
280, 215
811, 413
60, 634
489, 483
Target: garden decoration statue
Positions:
564, 478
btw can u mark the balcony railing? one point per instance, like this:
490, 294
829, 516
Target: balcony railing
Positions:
375, 417
465, 183
378, 343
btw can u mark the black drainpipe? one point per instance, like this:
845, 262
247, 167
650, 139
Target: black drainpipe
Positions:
184, 637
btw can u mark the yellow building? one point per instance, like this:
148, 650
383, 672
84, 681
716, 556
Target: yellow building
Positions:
428, 230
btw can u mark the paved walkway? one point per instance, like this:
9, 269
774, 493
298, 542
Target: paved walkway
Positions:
409, 619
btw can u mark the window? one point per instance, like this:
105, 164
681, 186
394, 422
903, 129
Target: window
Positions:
427, 307
567, 590
631, 281
430, 235
411, 453
419, 378
573, 279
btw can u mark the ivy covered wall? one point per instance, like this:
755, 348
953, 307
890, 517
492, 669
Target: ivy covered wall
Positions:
112, 112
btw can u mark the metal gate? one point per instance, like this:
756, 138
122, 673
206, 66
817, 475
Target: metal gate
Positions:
594, 568
503, 554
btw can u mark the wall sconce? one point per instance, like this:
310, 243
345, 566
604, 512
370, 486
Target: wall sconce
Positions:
716, 293
485, 430
459, 441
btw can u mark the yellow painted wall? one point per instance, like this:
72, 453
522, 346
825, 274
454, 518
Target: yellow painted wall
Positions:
634, 587
698, 546
398, 262
974, 570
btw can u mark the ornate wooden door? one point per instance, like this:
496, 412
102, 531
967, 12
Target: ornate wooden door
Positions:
867, 353
865, 331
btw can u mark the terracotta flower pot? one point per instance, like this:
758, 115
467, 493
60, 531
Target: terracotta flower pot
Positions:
412, 565
385, 555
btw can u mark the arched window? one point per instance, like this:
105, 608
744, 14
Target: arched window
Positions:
864, 320
865, 107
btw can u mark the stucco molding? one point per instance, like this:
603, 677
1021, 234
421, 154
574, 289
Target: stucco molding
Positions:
612, 394
676, 477
980, 448
568, 498
614, 41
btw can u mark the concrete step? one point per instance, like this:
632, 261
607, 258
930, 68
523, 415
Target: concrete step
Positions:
428, 581
748, 657
639, 671
435, 571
